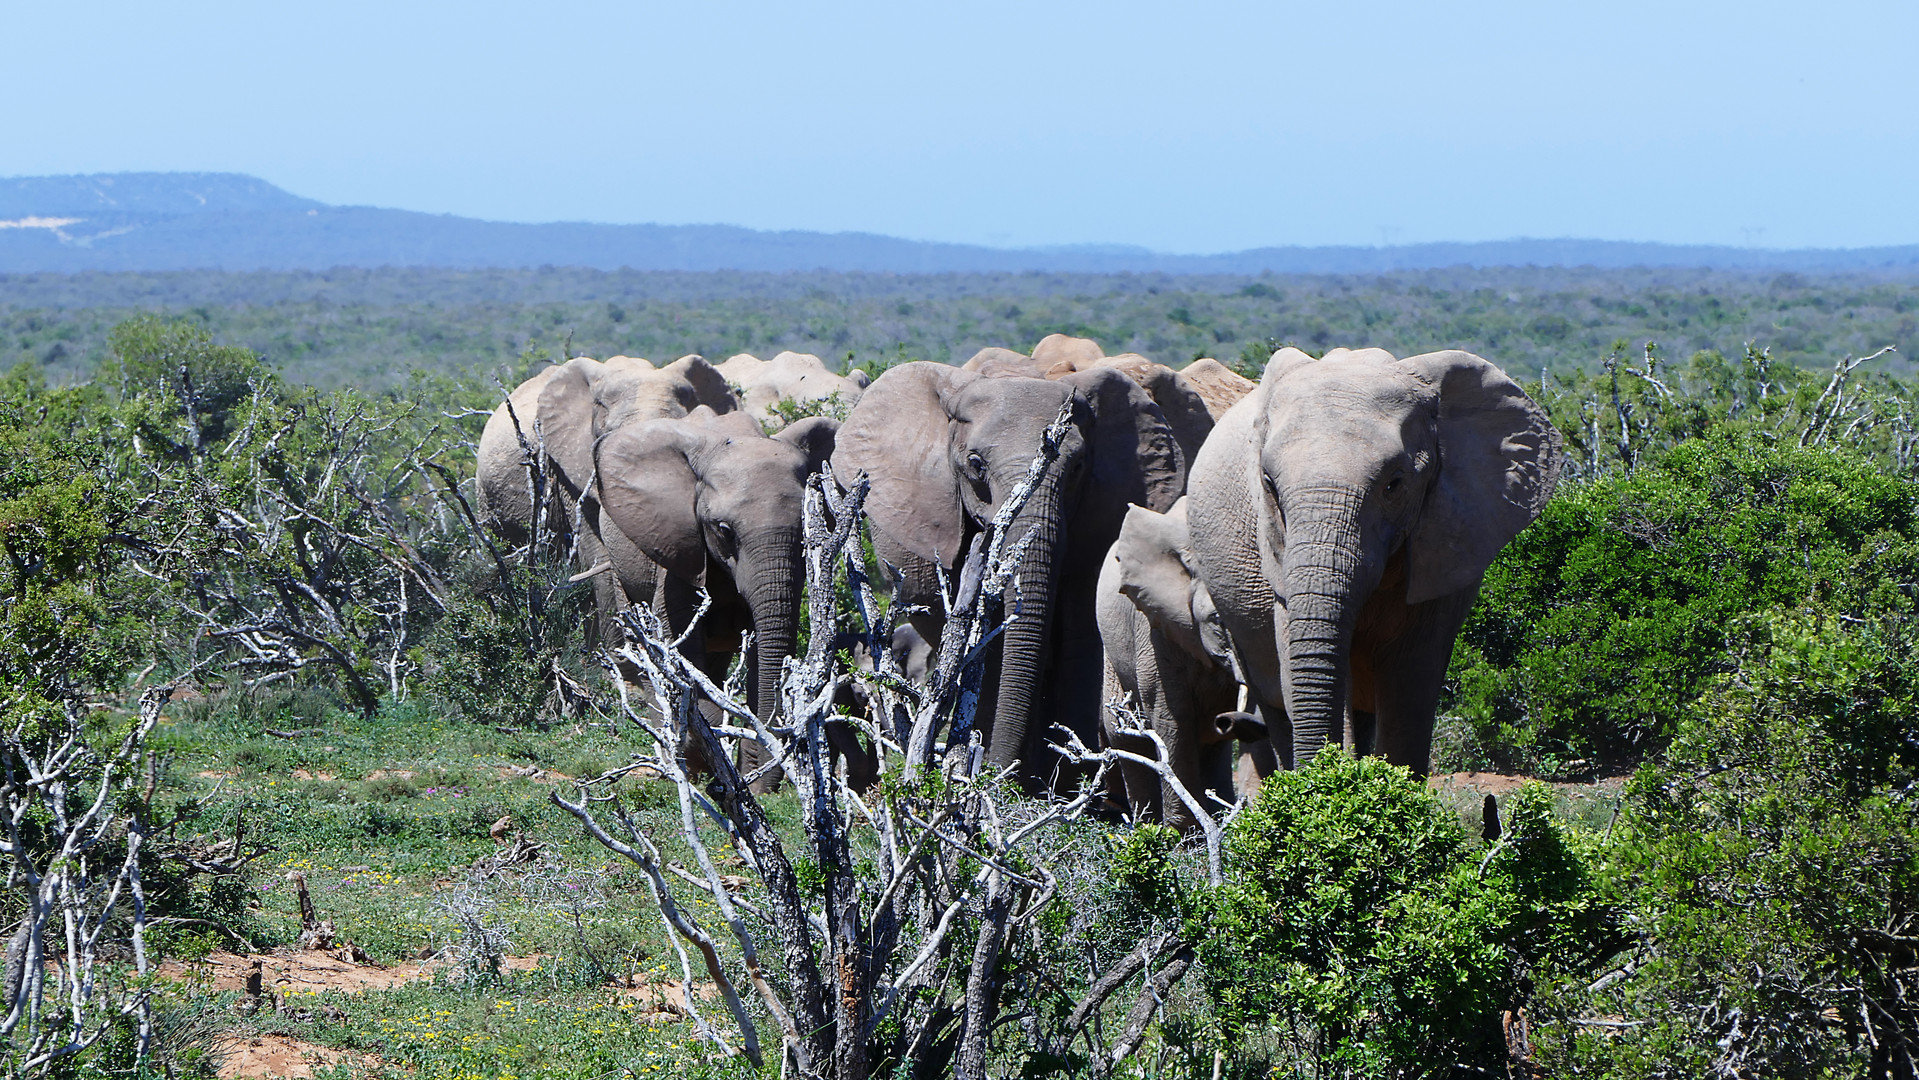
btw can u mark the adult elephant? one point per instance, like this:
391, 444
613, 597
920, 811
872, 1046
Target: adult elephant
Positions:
942, 448
1352, 504
558, 414
1166, 647
709, 503
1181, 400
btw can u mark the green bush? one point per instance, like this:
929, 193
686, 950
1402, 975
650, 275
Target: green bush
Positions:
1601, 624
1771, 857
1364, 929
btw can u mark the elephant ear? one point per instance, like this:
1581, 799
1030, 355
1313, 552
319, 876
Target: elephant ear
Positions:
1136, 458
708, 383
566, 420
898, 436
648, 488
814, 437
1499, 459
1154, 575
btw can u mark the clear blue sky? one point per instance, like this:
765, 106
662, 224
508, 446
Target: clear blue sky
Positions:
1184, 126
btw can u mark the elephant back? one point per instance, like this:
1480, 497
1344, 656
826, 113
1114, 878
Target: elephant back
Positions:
994, 360
1219, 386
793, 377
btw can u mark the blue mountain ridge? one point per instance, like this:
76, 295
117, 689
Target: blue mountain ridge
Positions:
227, 221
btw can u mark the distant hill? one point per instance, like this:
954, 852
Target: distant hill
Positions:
226, 221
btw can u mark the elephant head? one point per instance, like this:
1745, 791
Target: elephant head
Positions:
1383, 490
718, 504
943, 447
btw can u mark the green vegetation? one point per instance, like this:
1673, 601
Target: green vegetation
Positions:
1735, 489
1706, 644
1360, 912
369, 328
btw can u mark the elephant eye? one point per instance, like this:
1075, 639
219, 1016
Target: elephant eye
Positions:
976, 464
1394, 484
723, 533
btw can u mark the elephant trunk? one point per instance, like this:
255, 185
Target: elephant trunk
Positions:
1321, 586
772, 588
1024, 650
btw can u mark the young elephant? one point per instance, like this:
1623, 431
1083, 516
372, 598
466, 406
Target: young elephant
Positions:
1166, 647
717, 505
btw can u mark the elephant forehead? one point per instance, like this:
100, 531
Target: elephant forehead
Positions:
1340, 393
753, 466
1010, 403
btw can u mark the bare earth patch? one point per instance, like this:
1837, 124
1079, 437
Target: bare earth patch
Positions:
302, 774
1485, 783
280, 1056
531, 772
313, 971
1502, 784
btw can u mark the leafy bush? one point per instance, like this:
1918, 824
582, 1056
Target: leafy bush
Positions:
1599, 626
1772, 859
1362, 925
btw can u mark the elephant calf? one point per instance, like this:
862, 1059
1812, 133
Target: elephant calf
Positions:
1165, 646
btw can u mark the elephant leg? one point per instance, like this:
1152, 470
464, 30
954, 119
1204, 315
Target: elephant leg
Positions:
1071, 700
1410, 671
1358, 737
1113, 798
862, 763
1279, 735
676, 602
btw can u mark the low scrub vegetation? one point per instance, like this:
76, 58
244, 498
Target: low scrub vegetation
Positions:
320, 720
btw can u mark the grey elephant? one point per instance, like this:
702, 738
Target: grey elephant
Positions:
1058, 356
559, 414
1351, 506
1166, 647
942, 447
800, 379
709, 503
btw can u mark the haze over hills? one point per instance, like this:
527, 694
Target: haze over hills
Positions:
227, 221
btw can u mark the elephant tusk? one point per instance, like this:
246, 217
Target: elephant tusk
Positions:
597, 568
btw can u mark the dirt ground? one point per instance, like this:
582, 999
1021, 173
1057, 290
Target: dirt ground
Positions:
311, 970
280, 1056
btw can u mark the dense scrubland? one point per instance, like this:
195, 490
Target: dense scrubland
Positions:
1702, 654
368, 328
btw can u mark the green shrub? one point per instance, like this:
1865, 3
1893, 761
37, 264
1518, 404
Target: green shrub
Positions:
1772, 860
1599, 626
1361, 924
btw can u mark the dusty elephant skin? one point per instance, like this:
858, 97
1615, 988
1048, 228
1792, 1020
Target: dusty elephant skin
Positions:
790, 377
1352, 504
562, 411
1166, 647
942, 447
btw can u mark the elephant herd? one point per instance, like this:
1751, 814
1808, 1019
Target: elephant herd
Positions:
1276, 565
